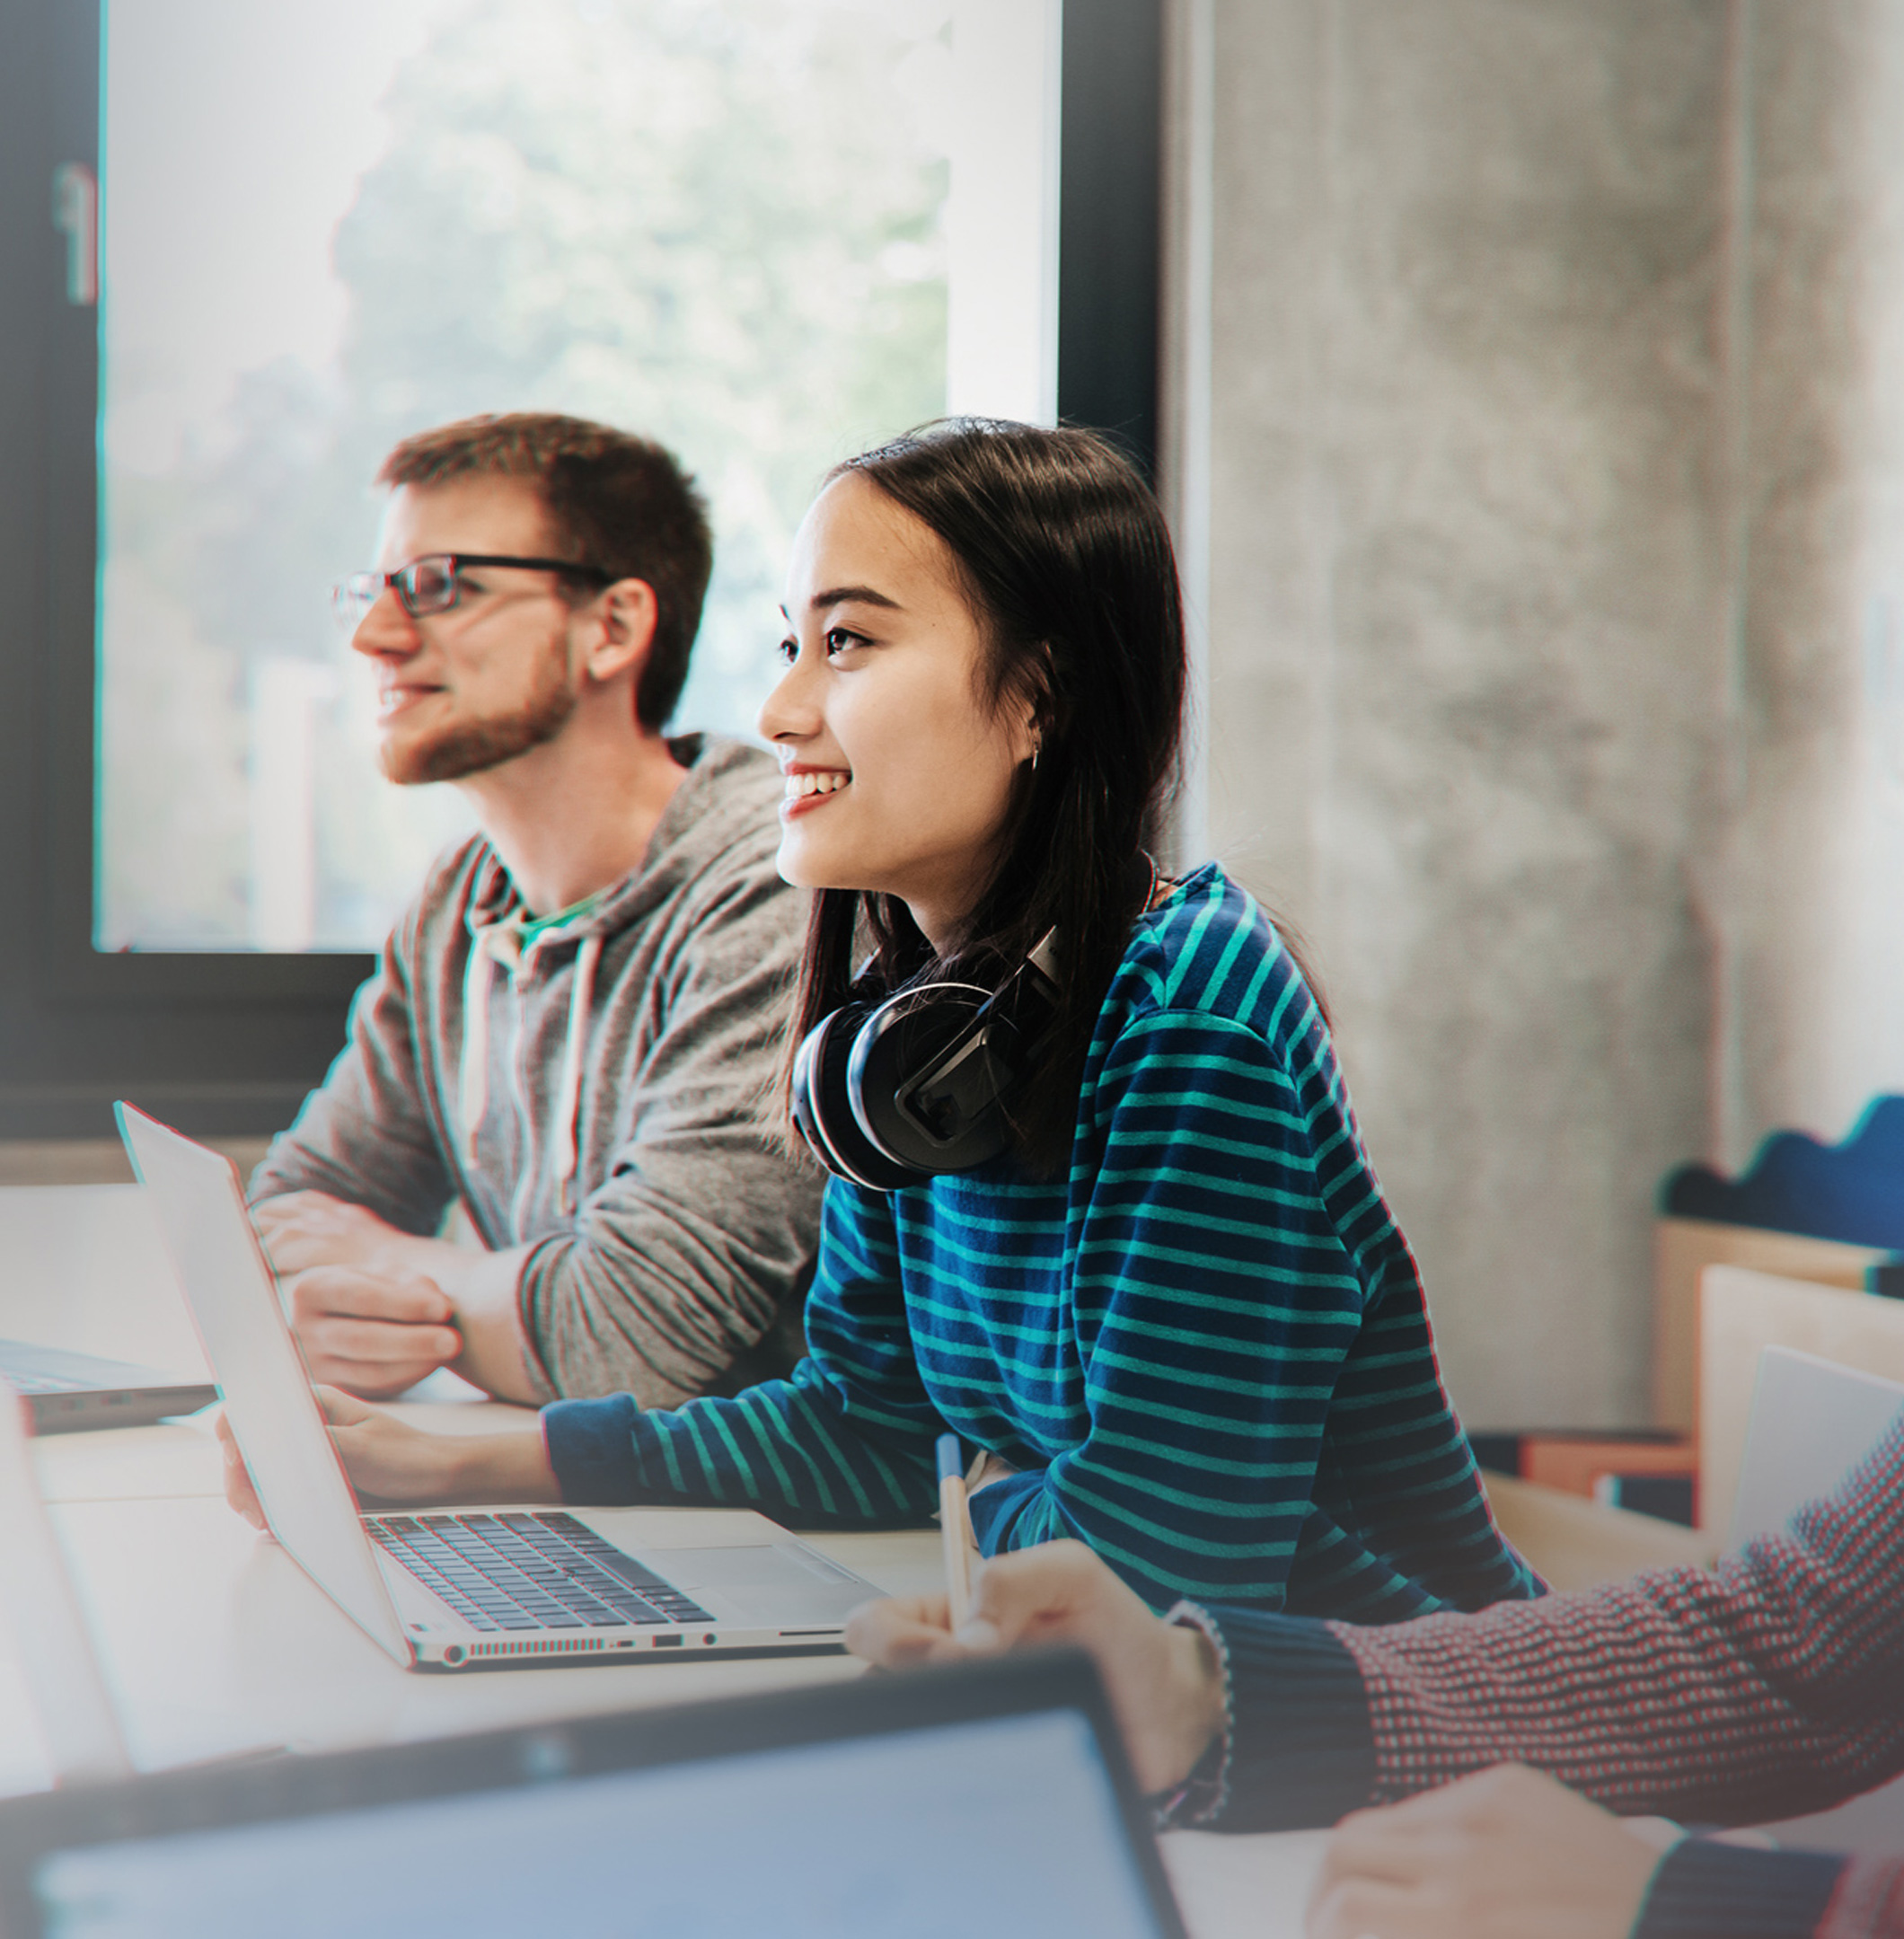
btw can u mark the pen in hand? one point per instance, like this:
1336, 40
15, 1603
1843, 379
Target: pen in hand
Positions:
955, 1530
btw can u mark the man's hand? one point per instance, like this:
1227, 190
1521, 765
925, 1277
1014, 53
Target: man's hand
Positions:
389, 1461
372, 1333
1164, 1680
372, 1305
301, 1230
1496, 1857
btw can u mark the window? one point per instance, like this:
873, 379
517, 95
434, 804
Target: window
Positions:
765, 230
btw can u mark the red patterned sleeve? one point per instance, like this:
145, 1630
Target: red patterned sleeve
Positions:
1770, 1685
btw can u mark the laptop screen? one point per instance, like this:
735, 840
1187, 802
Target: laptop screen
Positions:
1011, 1825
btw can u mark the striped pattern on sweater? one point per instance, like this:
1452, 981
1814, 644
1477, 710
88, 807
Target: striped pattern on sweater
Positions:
1204, 1350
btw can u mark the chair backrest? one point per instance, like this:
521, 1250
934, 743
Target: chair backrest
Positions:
1682, 1249
1812, 1421
1852, 1191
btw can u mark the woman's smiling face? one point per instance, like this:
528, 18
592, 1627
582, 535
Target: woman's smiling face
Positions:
899, 770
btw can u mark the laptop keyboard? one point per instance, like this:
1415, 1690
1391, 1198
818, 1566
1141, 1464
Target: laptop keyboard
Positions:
41, 1383
524, 1570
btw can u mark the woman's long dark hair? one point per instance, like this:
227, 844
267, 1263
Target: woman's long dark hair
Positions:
1068, 568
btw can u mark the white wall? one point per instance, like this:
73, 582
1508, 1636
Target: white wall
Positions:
1554, 475
1814, 875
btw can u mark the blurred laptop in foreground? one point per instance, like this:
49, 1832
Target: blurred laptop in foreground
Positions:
864, 1810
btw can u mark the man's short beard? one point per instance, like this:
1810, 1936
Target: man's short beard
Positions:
470, 746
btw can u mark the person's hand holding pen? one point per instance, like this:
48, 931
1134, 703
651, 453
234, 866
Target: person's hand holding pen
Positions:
1164, 1680
954, 1533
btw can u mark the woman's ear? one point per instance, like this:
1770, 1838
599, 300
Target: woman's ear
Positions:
1035, 715
624, 616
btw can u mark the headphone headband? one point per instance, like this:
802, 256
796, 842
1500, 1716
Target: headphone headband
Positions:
892, 1093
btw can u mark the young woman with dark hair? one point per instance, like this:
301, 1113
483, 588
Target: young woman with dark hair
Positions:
1170, 1303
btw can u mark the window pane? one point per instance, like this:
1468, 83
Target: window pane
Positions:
720, 221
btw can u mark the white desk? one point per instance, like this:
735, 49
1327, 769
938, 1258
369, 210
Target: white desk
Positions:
214, 1639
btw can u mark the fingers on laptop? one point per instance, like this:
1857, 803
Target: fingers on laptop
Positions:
239, 1492
382, 1457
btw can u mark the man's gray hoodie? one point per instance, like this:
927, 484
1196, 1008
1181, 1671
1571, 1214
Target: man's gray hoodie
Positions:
602, 1091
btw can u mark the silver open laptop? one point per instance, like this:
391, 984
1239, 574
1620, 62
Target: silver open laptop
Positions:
451, 1589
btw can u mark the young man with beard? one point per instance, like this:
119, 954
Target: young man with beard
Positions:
574, 1028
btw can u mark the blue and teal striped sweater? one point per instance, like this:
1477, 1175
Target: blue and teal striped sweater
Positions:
1206, 1349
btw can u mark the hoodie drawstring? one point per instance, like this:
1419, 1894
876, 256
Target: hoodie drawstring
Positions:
488, 945
473, 1073
565, 1132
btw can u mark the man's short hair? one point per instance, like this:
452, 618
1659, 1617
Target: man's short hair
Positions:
613, 501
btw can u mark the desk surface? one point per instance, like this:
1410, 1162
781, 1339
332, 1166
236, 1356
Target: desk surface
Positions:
214, 1637
214, 1640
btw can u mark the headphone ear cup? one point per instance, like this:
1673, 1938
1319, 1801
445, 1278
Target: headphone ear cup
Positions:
953, 1125
824, 1115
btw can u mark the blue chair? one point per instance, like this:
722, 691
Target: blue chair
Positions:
1852, 1191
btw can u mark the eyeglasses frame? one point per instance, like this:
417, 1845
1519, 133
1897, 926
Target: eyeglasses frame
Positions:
343, 595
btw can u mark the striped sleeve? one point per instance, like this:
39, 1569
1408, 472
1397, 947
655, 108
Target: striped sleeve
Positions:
1399, 1524
1214, 1303
846, 1440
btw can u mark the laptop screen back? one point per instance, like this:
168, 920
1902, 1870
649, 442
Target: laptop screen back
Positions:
267, 1397
1012, 1824
1812, 1422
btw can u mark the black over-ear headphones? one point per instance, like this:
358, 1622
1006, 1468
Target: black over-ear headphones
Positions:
894, 1093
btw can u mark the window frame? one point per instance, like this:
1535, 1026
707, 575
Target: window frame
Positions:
228, 1043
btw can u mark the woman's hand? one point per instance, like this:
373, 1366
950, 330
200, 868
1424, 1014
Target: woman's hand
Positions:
391, 1461
1165, 1683
1495, 1856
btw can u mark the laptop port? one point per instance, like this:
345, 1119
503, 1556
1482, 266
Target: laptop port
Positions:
667, 1642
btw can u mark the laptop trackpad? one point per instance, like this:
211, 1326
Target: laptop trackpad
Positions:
776, 1587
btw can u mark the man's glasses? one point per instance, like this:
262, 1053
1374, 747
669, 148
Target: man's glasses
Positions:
435, 585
